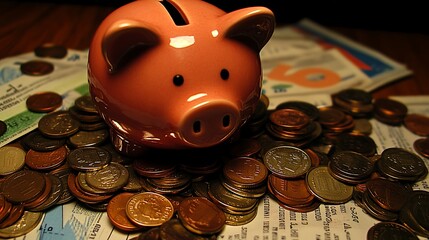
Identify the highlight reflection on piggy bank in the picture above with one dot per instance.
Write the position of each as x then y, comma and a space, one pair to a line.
177, 74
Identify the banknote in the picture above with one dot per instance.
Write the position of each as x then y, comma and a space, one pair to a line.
68, 79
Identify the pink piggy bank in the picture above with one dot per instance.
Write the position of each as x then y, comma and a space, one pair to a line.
177, 73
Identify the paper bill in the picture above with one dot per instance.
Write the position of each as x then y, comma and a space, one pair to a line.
319, 72
69, 75
296, 41
378, 67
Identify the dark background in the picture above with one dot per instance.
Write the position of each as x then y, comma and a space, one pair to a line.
402, 16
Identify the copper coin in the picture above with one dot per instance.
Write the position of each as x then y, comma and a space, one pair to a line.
201, 216
330, 116
244, 147
291, 192
42, 197
149, 209
46, 160
355, 96
86, 104
309, 109
117, 213
44, 102
5, 208
3, 128
389, 230
37, 68
15, 214
38, 142
51, 50
58, 124
54, 195
421, 146
375, 210
245, 172
174, 230
23, 186
389, 195
390, 108
289, 118
415, 213
417, 124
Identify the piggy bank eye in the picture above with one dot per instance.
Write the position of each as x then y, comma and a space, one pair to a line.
178, 80
224, 74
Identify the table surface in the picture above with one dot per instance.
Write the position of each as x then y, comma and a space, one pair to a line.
26, 25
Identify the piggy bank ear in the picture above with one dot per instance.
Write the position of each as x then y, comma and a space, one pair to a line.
252, 26
125, 39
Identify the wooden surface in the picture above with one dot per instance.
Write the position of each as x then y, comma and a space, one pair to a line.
26, 25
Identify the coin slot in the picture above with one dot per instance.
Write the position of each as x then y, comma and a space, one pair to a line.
196, 127
175, 14
226, 120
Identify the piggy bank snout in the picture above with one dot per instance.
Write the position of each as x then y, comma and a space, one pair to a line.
209, 123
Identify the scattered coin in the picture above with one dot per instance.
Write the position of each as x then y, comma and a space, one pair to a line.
44, 102
37, 68
417, 124
51, 50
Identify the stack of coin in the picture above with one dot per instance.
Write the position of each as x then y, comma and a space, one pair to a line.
350, 167
244, 176
335, 121
383, 199
417, 124
255, 125
238, 209
292, 194
355, 102
293, 126
362, 144
309, 109
415, 212
390, 111
401, 165
390, 230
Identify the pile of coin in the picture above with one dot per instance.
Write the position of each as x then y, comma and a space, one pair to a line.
301, 155
355, 102
390, 111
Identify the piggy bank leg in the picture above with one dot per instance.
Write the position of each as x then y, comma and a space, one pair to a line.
124, 146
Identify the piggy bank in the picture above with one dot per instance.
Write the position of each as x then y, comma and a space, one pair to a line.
177, 74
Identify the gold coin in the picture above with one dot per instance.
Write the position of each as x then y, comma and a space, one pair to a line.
23, 226
149, 209
12, 159
326, 188
110, 178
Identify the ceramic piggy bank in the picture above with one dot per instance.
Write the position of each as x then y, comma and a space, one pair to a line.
177, 73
